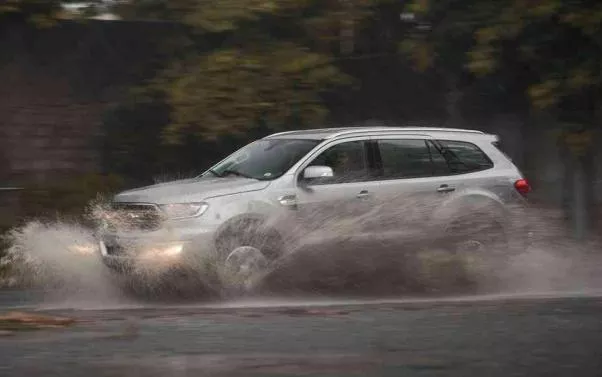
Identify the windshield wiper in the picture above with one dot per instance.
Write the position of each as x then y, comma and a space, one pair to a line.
237, 173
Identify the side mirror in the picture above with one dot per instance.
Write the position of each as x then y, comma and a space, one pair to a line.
313, 172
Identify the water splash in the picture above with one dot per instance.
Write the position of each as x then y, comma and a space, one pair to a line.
63, 260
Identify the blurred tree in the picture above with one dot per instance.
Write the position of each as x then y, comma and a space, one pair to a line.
550, 48
275, 60
558, 43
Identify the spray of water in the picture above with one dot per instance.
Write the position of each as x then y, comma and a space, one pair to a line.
60, 260
63, 260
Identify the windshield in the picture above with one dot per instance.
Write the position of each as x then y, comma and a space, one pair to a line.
264, 159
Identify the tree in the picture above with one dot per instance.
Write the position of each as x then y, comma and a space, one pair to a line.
275, 60
551, 48
540, 36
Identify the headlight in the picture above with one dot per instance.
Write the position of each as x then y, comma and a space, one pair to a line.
82, 249
183, 210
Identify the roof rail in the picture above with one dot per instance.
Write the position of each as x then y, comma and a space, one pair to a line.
280, 133
404, 129
305, 130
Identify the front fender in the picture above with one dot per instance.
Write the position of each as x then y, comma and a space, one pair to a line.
231, 212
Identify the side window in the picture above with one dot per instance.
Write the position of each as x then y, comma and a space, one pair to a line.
440, 167
405, 159
464, 157
347, 160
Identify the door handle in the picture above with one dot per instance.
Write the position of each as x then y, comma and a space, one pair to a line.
363, 194
289, 201
446, 188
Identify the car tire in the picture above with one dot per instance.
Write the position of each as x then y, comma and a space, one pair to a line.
246, 251
478, 236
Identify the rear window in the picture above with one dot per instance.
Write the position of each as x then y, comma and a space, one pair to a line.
464, 157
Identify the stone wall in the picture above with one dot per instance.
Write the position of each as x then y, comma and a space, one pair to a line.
54, 87
45, 132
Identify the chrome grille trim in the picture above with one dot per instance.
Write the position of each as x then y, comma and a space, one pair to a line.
136, 216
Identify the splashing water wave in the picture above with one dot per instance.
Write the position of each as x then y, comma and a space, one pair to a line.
62, 259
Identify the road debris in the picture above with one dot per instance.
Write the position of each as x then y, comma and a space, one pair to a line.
14, 321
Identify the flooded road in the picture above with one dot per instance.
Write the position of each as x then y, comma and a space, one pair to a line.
529, 335
521, 333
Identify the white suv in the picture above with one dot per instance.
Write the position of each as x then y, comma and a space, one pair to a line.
354, 185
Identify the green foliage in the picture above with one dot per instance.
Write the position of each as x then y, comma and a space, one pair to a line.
274, 63
553, 45
231, 90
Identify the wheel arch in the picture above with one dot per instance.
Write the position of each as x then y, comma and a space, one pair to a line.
228, 228
469, 205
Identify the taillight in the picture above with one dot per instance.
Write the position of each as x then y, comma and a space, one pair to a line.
522, 186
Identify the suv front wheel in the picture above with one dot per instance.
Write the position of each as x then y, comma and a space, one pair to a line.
246, 249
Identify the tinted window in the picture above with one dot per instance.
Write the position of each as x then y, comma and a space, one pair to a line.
405, 159
463, 157
440, 166
347, 160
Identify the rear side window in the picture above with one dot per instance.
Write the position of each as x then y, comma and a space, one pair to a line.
464, 157
407, 158
440, 166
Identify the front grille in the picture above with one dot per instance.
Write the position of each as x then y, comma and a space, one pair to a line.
135, 216
114, 250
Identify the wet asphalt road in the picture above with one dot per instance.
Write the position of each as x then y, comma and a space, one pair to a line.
524, 336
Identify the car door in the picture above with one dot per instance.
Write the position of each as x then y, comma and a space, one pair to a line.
412, 178
331, 209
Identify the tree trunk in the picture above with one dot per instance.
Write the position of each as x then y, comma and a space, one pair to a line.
347, 29
579, 181
452, 106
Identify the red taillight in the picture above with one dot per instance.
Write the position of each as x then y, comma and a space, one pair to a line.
522, 186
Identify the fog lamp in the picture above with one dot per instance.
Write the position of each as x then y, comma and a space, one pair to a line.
168, 251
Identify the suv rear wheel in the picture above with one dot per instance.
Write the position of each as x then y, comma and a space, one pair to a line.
483, 238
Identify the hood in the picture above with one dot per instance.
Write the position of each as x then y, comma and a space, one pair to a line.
190, 190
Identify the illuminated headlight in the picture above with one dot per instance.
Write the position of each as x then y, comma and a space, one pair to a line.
82, 249
183, 210
170, 251
160, 253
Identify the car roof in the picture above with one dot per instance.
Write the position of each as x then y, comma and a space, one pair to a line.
332, 133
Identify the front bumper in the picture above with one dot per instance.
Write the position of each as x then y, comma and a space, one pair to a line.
125, 259
162, 249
